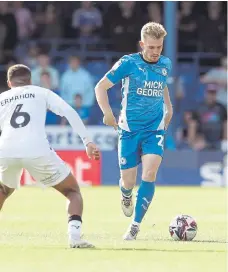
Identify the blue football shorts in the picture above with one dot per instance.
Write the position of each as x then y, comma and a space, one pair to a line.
132, 145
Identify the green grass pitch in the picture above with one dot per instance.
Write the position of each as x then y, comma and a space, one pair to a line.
33, 236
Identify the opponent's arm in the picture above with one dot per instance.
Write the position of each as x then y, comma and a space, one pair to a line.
57, 105
169, 107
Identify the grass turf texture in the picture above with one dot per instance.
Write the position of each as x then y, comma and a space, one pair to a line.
33, 236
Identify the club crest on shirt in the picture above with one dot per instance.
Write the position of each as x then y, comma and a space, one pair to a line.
164, 72
123, 161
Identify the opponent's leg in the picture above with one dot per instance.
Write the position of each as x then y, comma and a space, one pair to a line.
10, 176
127, 183
51, 171
70, 189
5, 192
150, 165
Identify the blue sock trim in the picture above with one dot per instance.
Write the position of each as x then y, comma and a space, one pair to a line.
126, 192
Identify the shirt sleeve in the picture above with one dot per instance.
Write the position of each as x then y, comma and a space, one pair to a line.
120, 70
57, 105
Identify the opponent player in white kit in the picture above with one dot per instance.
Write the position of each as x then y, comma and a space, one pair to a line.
24, 145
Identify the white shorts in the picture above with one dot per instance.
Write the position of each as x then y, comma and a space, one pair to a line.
48, 170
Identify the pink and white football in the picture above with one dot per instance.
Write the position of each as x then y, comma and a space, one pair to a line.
183, 228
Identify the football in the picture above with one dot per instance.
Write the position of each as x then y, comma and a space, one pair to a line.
183, 228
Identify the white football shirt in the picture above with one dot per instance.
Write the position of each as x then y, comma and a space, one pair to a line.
22, 121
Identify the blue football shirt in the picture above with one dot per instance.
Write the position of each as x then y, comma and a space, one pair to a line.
143, 84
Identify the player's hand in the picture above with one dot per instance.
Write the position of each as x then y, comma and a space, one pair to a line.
92, 151
110, 120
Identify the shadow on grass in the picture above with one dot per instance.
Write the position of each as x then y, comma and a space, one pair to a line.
193, 241
209, 241
157, 250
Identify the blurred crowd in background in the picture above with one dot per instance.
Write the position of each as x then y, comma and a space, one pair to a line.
70, 45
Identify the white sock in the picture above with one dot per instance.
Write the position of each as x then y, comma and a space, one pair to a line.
135, 223
74, 230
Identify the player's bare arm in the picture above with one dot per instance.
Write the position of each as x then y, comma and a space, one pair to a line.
102, 99
169, 107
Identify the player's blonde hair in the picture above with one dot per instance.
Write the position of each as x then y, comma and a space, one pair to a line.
153, 30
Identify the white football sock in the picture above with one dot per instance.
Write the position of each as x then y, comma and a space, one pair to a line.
74, 229
135, 223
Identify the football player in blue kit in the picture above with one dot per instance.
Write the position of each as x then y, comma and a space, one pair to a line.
146, 111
